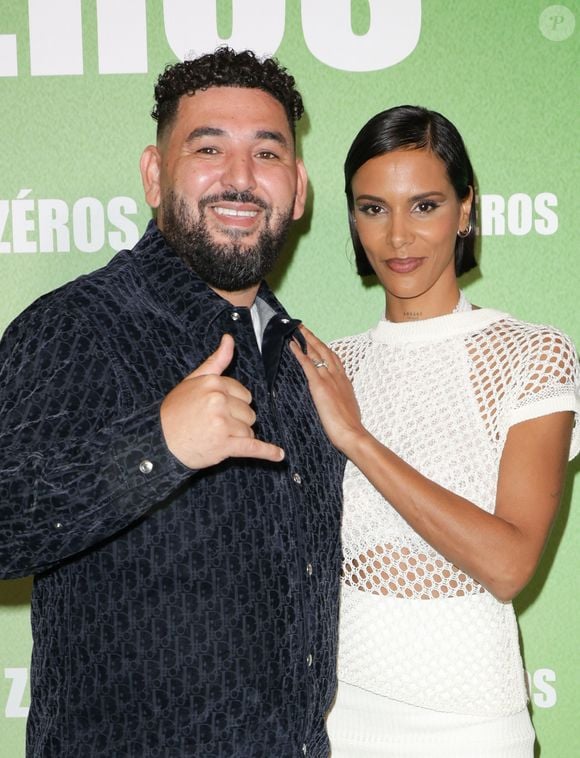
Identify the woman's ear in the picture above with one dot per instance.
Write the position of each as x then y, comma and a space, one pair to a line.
466, 204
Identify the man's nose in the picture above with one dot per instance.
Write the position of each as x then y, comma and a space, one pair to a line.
239, 173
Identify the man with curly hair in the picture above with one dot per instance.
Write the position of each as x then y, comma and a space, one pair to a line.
163, 471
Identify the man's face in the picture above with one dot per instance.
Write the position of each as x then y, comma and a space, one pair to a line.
227, 184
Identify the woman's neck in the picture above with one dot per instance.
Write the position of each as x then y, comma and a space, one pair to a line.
428, 305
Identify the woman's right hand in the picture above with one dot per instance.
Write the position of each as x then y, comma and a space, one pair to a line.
331, 391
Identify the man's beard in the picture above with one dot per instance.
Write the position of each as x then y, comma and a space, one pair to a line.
229, 266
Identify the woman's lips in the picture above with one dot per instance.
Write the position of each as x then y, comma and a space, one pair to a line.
404, 265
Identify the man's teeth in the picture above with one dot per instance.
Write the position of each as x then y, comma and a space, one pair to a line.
234, 212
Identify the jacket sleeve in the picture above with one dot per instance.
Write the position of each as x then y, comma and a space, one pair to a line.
77, 462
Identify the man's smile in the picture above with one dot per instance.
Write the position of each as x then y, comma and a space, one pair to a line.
234, 212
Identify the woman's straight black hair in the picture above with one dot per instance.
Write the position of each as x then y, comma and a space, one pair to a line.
411, 127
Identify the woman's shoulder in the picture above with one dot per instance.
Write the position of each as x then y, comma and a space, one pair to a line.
542, 366
535, 340
351, 341
352, 351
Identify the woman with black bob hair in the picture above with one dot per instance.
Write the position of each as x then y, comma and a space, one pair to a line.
457, 422
411, 127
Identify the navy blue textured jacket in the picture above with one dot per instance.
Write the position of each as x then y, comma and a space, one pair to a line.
175, 613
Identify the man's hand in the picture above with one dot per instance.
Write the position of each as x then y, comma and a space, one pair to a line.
207, 417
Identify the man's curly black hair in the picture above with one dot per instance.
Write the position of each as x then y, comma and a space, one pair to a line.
224, 68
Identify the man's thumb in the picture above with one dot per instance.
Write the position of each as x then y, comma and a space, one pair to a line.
219, 360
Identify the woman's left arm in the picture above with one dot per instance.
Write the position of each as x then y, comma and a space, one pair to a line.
499, 550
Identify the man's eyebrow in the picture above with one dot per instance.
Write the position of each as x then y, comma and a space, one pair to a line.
205, 131
275, 136
214, 131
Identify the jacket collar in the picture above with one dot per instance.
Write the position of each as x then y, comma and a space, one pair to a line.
180, 289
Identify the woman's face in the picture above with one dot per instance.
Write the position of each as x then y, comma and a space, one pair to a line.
407, 216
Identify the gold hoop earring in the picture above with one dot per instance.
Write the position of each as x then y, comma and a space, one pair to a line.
465, 232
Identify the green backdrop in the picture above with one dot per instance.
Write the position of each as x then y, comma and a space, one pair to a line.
76, 82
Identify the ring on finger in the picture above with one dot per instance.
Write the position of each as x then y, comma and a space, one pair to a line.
320, 364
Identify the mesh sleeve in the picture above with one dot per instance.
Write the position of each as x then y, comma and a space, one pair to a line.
550, 381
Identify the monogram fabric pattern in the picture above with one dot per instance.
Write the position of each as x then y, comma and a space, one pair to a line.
175, 612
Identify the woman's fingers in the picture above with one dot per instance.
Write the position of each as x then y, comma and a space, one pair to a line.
304, 360
319, 351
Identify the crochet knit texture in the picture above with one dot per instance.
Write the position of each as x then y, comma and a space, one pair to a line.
442, 394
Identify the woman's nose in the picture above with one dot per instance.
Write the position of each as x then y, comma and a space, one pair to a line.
400, 231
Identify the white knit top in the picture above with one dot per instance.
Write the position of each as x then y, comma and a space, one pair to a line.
442, 394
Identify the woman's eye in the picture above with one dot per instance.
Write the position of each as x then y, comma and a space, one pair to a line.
370, 210
426, 206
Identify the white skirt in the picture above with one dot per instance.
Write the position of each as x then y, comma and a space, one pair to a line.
364, 725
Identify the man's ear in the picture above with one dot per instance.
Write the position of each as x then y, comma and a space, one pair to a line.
150, 175
301, 189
